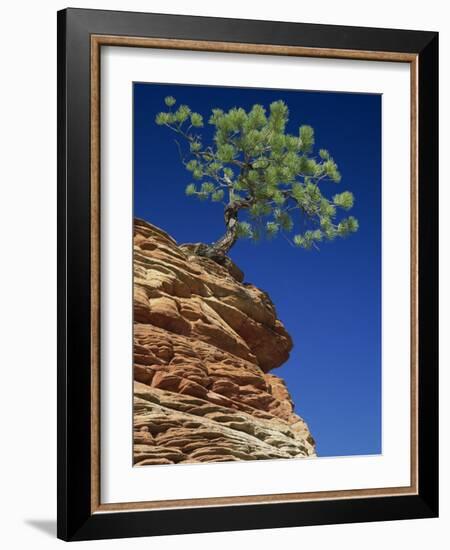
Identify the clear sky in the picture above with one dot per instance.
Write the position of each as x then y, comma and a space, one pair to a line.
329, 300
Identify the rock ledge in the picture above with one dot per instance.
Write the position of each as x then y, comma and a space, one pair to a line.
204, 346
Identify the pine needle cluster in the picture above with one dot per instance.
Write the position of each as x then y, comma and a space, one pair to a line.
269, 181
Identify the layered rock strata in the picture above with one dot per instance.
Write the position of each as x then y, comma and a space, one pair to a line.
205, 344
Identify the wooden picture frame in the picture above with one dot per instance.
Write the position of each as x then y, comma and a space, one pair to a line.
81, 35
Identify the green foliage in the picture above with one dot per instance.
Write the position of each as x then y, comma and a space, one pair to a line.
344, 200
270, 179
196, 120
191, 189
306, 134
347, 226
272, 229
207, 188
225, 152
163, 118
170, 101
218, 195
244, 230
195, 146
324, 154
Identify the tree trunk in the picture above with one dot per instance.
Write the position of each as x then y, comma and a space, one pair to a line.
218, 250
224, 244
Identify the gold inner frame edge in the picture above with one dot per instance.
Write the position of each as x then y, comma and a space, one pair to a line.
97, 41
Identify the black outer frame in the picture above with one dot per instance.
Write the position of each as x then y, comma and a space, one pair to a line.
75, 521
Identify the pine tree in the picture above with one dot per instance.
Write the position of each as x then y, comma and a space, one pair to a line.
268, 180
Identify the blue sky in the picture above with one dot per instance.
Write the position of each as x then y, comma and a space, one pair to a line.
329, 300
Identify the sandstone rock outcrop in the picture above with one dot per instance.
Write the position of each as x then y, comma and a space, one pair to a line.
204, 345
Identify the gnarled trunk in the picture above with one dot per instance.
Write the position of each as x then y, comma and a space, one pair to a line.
219, 249
222, 246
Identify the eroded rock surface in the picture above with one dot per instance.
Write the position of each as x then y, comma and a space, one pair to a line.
204, 346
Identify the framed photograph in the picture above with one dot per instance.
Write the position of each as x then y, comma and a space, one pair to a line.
247, 274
